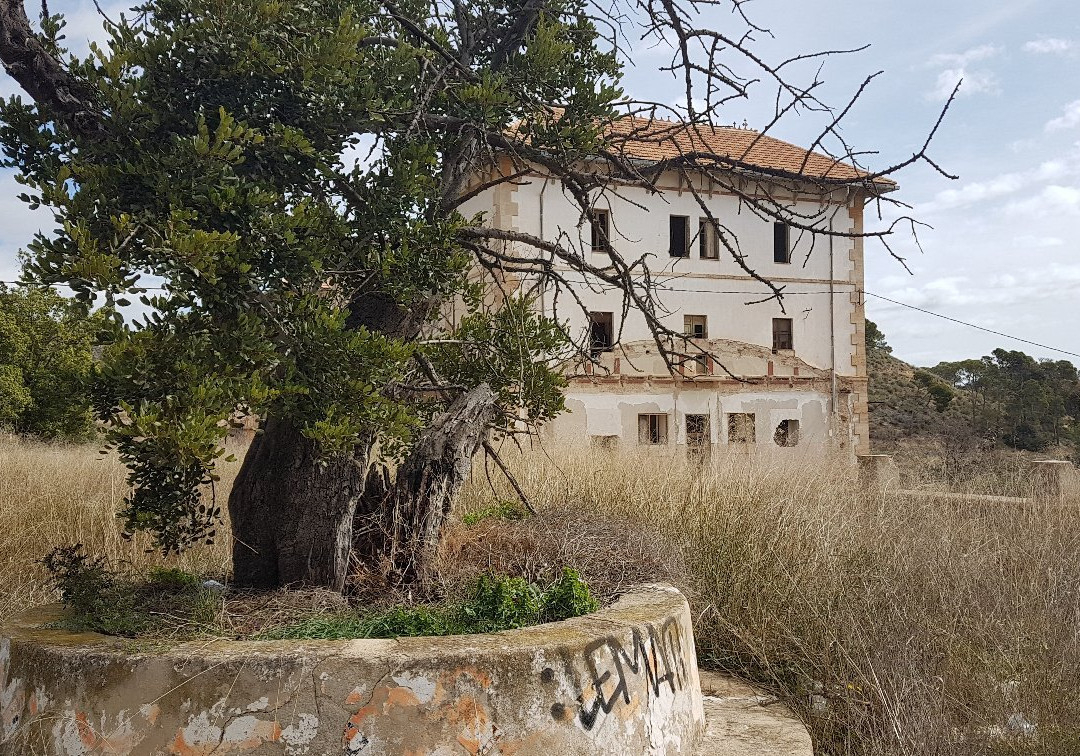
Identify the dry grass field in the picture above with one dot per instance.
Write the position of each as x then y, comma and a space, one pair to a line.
891, 626
58, 495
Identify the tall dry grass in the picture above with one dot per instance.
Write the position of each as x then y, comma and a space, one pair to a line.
892, 626
55, 494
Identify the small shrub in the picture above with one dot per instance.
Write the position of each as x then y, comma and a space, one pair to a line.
101, 600
503, 510
502, 603
569, 596
90, 591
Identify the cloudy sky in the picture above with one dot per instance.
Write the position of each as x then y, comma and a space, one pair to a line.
1002, 252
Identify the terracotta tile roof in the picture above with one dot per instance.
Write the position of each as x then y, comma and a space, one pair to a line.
657, 139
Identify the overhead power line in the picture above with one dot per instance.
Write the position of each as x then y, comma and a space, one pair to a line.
786, 294
971, 325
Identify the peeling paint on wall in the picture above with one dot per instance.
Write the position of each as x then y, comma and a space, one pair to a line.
623, 680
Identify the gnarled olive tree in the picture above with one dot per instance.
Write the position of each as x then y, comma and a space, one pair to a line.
280, 184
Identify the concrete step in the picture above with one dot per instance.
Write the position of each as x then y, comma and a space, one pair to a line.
742, 721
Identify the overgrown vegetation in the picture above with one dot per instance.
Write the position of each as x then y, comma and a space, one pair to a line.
494, 603
500, 510
164, 601
60, 494
892, 626
169, 602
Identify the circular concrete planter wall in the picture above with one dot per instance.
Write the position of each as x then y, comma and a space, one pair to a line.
621, 681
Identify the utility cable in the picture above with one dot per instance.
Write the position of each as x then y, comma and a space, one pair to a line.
786, 294
970, 325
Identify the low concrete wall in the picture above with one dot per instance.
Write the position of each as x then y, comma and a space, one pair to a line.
621, 681
1051, 481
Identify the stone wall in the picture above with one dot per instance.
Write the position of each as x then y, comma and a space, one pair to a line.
621, 681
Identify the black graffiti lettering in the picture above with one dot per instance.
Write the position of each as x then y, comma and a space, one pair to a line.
600, 701
671, 632
655, 658
589, 716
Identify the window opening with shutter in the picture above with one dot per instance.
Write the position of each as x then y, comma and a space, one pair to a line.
652, 429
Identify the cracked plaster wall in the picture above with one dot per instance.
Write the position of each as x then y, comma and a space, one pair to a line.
827, 325
622, 680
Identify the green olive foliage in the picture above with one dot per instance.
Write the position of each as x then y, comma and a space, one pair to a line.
218, 193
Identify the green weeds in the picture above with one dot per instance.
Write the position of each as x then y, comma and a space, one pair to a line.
494, 603
501, 510
101, 600
172, 603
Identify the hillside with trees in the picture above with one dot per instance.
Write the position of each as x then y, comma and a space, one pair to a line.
1006, 399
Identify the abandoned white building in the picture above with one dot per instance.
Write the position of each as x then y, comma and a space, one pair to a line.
776, 377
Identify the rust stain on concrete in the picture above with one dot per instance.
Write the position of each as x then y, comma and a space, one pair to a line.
621, 681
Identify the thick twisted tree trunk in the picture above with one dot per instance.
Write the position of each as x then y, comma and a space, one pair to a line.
293, 515
399, 533
292, 511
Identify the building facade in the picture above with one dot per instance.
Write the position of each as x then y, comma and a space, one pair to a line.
753, 374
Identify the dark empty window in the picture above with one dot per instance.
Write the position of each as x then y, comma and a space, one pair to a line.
695, 326
781, 243
781, 334
601, 230
787, 433
697, 436
740, 427
679, 236
707, 240
601, 332
652, 429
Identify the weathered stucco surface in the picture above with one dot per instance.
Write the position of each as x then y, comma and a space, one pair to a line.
822, 281
621, 681
743, 721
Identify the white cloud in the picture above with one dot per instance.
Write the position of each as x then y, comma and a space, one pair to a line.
85, 24
975, 192
651, 48
1049, 45
960, 60
679, 106
1067, 120
19, 224
1053, 201
1038, 242
957, 67
364, 154
971, 82
971, 299
1003, 185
